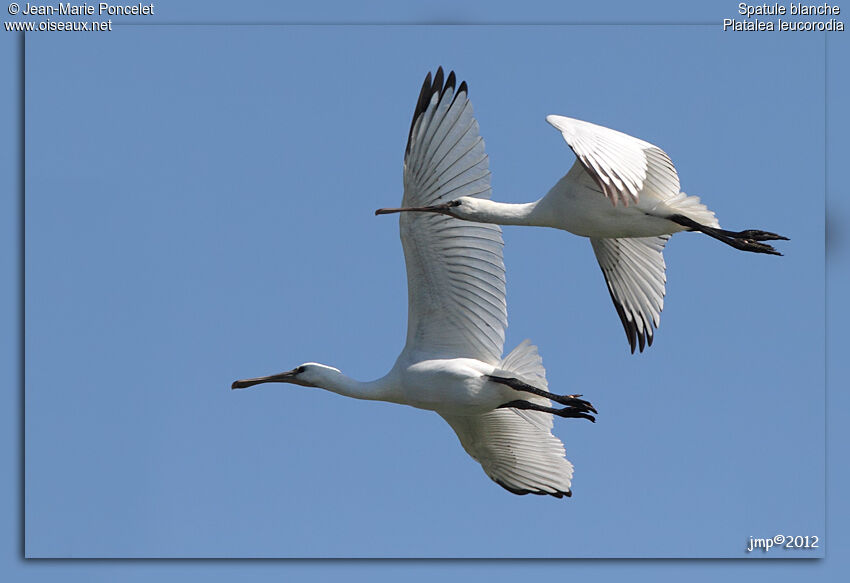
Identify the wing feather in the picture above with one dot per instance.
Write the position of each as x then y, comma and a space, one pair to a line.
635, 273
520, 456
455, 271
625, 167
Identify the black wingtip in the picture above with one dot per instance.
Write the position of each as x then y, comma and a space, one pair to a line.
429, 89
523, 492
639, 339
628, 325
438, 81
450, 82
421, 105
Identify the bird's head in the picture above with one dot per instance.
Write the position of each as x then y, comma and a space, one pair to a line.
465, 207
309, 374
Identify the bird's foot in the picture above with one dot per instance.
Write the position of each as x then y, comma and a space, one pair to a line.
752, 245
574, 412
756, 235
574, 402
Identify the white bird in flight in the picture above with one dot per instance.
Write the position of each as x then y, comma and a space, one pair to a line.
623, 194
452, 361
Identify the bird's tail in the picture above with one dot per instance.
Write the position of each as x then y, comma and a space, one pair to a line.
691, 207
525, 364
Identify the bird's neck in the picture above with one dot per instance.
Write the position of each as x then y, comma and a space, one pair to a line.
502, 213
336, 382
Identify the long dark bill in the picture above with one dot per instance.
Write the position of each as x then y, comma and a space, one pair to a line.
437, 208
284, 377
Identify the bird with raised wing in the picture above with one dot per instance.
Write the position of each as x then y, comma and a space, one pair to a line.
500, 408
623, 194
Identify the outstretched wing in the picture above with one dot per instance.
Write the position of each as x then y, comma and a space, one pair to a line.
625, 167
518, 454
635, 273
516, 448
455, 272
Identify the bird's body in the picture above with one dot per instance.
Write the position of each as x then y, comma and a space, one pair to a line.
452, 386
452, 361
574, 204
623, 194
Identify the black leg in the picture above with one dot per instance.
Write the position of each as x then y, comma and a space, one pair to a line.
518, 385
565, 412
575, 407
747, 240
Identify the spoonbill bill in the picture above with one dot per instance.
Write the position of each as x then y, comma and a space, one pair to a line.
623, 194
500, 408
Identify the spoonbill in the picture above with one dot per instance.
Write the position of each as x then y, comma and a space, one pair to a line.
500, 408
612, 168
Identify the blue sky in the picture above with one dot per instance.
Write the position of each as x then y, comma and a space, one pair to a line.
199, 209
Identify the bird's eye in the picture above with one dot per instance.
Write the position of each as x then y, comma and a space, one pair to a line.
455, 203
299, 370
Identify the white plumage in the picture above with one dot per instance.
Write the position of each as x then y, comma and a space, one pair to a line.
451, 362
622, 193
